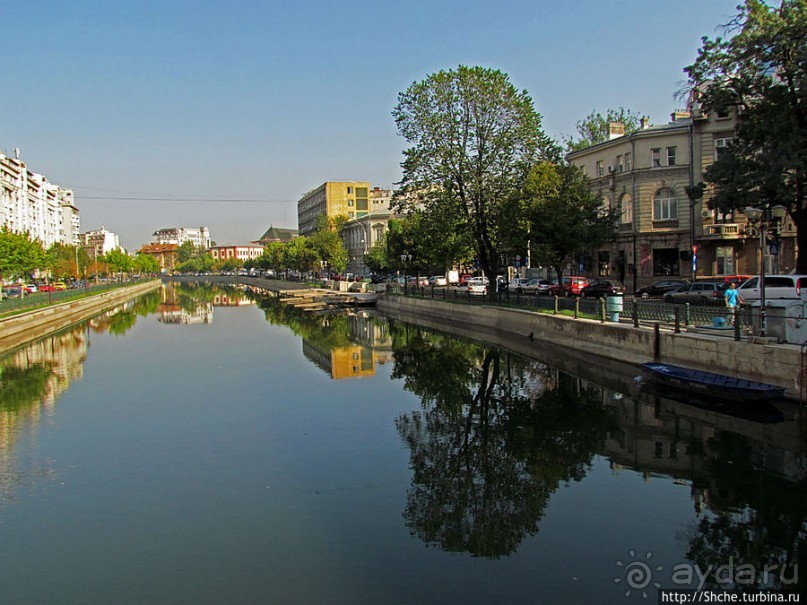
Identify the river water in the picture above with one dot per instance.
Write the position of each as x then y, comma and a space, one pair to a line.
196, 447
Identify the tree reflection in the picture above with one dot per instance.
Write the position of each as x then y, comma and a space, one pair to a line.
756, 519
21, 387
326, 332
496, 437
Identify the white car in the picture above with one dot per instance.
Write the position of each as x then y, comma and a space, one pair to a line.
438, 280
475, 285
517, 284
776, 287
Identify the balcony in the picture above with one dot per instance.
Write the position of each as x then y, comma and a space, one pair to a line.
723, 231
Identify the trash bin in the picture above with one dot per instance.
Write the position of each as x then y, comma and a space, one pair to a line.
614, 306
786, 320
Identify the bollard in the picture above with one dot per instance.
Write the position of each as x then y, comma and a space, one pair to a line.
555, 310
602, 310
576, 307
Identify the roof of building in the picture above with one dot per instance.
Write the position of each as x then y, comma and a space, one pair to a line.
157, 248
277, 234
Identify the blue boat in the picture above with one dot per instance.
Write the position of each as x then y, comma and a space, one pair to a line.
714, 385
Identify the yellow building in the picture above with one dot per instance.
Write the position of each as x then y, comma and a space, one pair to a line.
334, 198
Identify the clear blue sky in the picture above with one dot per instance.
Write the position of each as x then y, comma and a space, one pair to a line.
263, 100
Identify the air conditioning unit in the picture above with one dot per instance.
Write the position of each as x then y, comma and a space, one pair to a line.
706, 213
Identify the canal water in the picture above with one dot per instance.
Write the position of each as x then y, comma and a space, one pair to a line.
199, 445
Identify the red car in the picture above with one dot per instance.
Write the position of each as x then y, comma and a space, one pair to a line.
569, 286
47, 288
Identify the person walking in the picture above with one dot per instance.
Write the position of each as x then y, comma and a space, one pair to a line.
732, 300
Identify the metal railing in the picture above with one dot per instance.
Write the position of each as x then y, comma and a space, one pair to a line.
716, 318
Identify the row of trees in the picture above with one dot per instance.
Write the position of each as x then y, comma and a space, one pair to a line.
482, 183
21, 256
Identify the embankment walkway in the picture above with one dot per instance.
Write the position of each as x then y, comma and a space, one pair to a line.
22, 328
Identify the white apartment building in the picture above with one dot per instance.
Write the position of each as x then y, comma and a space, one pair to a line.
30, 203
100, 241
199, 236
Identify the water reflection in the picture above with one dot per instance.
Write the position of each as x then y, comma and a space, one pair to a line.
497, 434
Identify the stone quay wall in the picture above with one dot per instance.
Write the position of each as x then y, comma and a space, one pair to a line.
20, 329
764, 362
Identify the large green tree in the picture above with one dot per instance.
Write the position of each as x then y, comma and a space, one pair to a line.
118, 261
759, 72
473, 139
565, 218
327, 242
68, 260
593, 129
19, 255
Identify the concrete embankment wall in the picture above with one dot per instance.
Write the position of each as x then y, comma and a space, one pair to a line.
771, 363
26, 327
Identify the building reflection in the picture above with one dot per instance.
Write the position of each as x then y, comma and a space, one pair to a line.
370, 345
31, 380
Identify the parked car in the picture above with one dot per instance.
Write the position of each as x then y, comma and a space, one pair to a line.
421, 282
474, 285
46, 288
58, 286
660, 288
603, 287
464, 278
699, 293
737, 279
537, 286
438, 280
569, 286
776, 287
12, 292
517, 284
31, 288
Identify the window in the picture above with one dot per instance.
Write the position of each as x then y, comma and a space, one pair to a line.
627, 162
655, 157
671, 156
626, 209
349, 190
665, 261
721, 145
619, 166
600, 168
724, 258
350, 202
665, 205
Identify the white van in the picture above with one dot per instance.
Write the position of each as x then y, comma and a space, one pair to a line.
776, 287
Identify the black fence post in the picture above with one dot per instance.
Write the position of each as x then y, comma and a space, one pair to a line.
677, 319
687, 314
602, 310
555, 310
576, 307
737, 323
635, 314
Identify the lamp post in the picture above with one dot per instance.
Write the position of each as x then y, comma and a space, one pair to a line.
406, 259
763, 220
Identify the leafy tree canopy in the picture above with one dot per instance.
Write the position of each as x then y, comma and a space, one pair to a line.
593, 129
759, 74
473, 139
564, 216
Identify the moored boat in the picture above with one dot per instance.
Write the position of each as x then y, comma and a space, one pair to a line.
709, 383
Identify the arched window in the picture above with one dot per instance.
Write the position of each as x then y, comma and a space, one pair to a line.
665, 205
626, 209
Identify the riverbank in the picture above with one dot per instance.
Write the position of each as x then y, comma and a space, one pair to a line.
525, 331
25, 327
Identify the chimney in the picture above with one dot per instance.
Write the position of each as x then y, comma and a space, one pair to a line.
615, 130
679, 114
644, 121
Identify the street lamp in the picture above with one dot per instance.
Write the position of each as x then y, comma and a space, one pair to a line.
406, 259
763, 220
